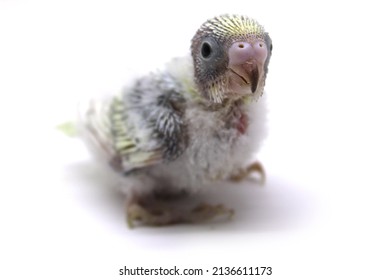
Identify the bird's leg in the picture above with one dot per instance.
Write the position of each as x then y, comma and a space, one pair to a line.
156, 212
254, 167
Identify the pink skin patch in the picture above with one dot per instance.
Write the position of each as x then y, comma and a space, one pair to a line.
242, 124
238, 119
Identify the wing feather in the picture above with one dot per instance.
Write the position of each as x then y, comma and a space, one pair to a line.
140, 128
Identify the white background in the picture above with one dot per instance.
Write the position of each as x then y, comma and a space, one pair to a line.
324, 212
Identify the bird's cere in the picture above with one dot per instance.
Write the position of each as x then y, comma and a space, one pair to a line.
240, 52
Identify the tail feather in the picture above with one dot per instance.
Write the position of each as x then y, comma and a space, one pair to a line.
69, 128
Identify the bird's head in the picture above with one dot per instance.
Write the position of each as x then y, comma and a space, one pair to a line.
231, 55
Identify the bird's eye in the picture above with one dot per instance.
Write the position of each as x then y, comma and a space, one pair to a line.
206, 50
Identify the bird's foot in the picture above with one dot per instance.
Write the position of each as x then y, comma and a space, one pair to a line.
137, 212
256, 167
162, 215
204, 212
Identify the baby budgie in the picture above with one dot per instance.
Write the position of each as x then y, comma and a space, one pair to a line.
197, 121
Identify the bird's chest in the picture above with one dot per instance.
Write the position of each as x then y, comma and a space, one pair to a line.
214, 140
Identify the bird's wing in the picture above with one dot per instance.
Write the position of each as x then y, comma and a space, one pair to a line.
140, 128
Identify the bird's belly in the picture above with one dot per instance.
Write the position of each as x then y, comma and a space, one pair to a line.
205, 161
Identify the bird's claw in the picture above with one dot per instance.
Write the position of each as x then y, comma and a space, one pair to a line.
254, 167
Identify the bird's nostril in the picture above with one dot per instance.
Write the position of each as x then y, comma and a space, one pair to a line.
241, 46
260, 45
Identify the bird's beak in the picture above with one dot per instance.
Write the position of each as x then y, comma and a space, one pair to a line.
245, 76
251, 71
